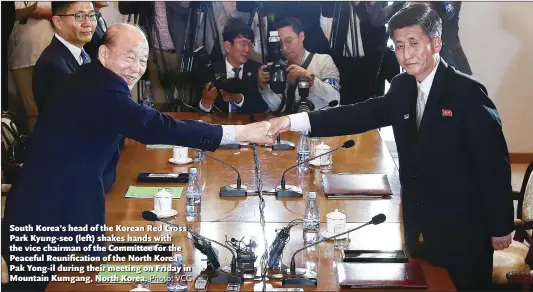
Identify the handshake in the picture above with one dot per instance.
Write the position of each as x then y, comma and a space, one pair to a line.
265, 132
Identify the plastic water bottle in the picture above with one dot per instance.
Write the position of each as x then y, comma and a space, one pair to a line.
147, 95
193, 195
302, 152
176, 279
311, 224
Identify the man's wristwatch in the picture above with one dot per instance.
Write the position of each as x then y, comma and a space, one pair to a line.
311, 80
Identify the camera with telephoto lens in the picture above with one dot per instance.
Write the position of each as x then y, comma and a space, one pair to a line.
278, 66
219, 80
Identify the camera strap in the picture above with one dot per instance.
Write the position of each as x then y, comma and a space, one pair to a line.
293, 85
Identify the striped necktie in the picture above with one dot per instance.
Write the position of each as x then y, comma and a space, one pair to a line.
233, 106
85, 58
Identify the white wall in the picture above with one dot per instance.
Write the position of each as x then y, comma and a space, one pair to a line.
497, 38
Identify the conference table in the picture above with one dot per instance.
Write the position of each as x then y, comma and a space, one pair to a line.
231, 217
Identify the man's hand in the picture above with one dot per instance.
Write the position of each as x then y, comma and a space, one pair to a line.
499, 243
263, 77
209, 95
257, 133
231, 97
295, 72
279, 125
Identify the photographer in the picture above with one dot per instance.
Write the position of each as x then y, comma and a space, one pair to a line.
238, 43
319, 69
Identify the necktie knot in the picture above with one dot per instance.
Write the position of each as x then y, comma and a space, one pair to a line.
237, 71
85, 58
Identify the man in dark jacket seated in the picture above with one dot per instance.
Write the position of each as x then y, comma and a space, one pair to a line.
238, 43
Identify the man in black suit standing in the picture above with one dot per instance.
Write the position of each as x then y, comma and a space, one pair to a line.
238, 43
454, 162
92, 47
74, 24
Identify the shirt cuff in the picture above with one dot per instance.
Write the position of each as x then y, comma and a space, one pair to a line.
300, 122
205, 109
240, 103
228, 134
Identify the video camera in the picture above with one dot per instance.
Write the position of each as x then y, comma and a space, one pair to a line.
277, 67
218, 79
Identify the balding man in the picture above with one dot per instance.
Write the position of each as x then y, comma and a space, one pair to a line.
61, 183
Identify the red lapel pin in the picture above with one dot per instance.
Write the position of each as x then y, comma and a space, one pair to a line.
406, 116
447, 113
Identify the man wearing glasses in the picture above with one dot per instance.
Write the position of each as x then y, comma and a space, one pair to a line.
74, 25
238, 43
318, 69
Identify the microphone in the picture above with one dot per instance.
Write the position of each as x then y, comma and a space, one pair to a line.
225, 146
236, 190
218, 275
332, 103
303, 277
294, 191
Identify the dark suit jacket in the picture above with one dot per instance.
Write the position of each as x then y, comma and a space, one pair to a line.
73, 140
454, 171
53, 66
92, 47
50, 72
253, 101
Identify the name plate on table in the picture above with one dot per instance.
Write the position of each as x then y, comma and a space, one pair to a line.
355, 185
374, 256
381, 276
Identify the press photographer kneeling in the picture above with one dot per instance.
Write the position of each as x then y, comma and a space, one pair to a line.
318, 70
240, 96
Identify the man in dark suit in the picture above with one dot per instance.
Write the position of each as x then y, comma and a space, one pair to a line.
64, 56
238, 43
74, 24
92, 47
61, 182
454, 162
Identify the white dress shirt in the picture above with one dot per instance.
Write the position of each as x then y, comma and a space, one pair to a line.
229, 74
300, 121
76, 52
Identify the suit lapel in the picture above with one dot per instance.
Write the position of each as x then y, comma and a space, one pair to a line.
66, 54
432, 105
246, 73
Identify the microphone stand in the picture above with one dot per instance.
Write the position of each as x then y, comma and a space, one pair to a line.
221, 274
304, 277
236, 190
290, 191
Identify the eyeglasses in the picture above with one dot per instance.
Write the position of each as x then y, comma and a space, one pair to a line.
246, 44
288, 42
80, 16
